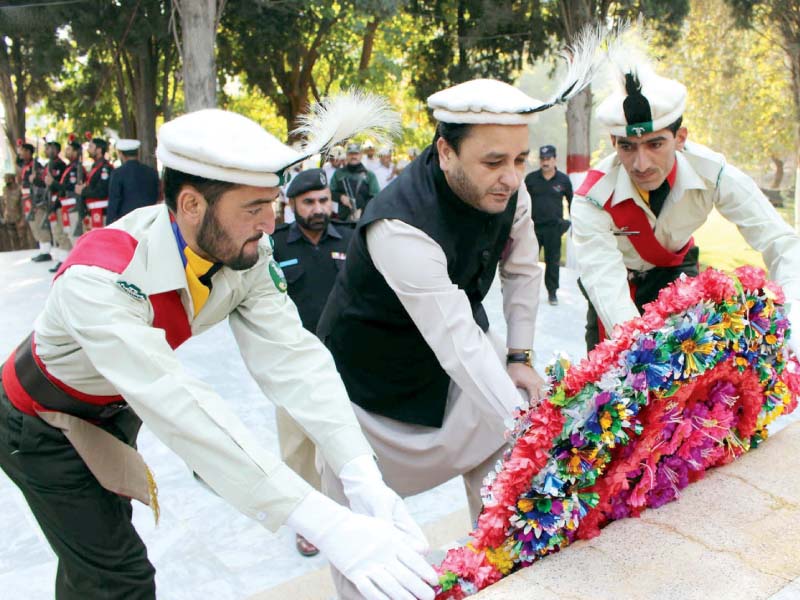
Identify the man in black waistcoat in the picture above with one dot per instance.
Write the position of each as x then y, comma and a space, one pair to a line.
431, 383
311, 251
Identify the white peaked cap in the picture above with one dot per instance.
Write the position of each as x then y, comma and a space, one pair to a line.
224, 146
128, 145
484, 101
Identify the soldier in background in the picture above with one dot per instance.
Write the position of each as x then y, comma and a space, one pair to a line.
353, 186
53, 171
94, 193
73, 175
132, 185
35, 201
311, 251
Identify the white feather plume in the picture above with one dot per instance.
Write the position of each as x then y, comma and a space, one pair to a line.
584, 59
337, 118
627, 52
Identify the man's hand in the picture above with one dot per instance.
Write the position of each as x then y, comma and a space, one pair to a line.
48, 179
79, 188
345, 199
526, 378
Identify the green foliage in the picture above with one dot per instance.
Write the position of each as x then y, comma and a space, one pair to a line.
717, 63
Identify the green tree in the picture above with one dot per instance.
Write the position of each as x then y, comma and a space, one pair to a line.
124, 55
31, 53
717, 63
293, 52
779, 22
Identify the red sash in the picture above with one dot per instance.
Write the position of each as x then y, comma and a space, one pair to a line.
111, 249
27, 203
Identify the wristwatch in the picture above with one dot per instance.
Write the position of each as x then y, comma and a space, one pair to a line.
524, 357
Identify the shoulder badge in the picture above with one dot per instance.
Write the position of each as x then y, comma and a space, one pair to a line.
132, 290
276, 274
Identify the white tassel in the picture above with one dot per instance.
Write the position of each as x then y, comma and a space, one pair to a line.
340, 117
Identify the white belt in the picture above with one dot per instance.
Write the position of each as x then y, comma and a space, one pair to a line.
67, 202
97, 204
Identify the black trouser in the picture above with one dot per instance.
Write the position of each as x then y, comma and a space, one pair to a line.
549, 236
648, 285
100, 555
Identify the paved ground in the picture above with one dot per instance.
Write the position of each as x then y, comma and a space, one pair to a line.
202, 547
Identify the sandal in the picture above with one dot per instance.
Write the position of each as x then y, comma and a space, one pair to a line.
305, 547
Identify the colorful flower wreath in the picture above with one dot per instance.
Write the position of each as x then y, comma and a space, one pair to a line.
691, 384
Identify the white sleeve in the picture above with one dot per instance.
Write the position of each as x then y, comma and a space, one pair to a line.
521, 276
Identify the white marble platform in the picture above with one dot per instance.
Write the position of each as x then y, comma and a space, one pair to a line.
202, 547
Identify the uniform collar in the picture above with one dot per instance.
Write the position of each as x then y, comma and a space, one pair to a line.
157, 265
686, 178
295, 233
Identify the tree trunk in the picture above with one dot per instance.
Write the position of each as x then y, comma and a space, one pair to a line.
128, 127
13, 98
366, 47
146, 73
578, 115
198, 37
778, 178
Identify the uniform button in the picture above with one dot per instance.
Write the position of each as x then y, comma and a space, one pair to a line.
262, 516
485, 255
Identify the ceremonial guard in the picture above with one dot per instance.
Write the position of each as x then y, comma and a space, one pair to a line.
548, 187
431, 382
94, 191
353, 186
311, 251
73, 175
53, 172
101, 358
132, 185
35, 201
634, 215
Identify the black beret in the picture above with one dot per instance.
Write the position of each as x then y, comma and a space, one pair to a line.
307, 181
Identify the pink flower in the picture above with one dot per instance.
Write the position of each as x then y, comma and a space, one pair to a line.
752, 278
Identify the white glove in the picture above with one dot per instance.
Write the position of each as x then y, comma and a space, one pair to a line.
794, 322
370, 552
368, 495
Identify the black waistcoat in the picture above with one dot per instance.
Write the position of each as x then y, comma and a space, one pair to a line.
384, 361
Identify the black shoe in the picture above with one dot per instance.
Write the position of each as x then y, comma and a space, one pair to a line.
552, 299
55, 267
42, 257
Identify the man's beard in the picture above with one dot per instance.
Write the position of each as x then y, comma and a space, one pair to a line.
216, 243
318, 222
463, 187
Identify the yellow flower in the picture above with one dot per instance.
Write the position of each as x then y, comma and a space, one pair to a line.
771, 338
525, 505
500, 559
605, 420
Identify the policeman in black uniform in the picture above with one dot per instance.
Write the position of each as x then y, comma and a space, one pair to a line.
548, 187
310, 251
132, 185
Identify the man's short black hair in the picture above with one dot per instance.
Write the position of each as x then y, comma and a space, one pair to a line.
56, 144
211, 189
28, 147
675, 125
453, 133
129, 153
101, 143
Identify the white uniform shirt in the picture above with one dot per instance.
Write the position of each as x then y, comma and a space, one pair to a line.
384, 174
703, 181
415, 267
99, 339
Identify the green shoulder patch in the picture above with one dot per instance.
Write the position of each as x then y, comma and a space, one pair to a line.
276, 274
132, 290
